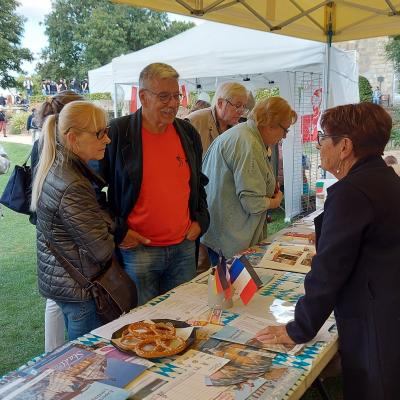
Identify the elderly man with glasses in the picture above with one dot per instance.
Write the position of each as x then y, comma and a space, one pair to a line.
155, 186
228, 106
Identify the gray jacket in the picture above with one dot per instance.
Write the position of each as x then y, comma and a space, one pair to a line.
69, 216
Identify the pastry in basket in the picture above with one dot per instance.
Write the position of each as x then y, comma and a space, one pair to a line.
160, 347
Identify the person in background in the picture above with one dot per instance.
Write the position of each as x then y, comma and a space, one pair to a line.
85, 86
155, 187
376, 95
3, 121
228, 105
242, 185
54, 325
68, 215
392, 162
3, 100
200, 104
28, 86
355, 271
31, 126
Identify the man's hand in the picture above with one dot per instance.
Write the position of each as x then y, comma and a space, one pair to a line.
274, 335
193, 231
132, 240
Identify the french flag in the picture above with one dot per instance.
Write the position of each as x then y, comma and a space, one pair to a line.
244, 278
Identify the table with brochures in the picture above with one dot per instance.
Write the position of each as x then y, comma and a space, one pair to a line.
223, 360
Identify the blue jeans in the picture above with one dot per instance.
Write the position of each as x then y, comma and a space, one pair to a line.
80, 317
155, 270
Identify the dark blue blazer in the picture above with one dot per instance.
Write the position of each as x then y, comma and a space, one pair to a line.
122, 169
356, 273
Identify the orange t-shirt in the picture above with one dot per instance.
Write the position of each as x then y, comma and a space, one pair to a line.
161, 212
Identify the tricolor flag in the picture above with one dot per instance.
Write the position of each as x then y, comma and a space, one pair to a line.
222, 278
244, 278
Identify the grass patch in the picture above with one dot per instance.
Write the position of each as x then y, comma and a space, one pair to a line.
21, 306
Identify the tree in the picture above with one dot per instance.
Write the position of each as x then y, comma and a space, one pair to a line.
11, 53
87, 35
392, 49
365, 89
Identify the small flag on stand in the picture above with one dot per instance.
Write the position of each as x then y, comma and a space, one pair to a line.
222, 278
244, 278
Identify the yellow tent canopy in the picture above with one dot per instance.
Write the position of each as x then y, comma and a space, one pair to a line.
324, 21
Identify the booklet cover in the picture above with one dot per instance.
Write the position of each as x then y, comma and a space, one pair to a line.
71, 372
284, 257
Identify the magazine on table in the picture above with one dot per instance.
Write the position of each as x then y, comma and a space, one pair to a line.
288, 257
244, 330
73, 371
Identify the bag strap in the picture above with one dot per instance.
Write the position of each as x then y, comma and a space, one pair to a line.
73, 271
27, 159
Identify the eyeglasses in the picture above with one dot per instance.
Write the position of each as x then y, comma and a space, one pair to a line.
238, 107
286, 130
102, 132
99, 134
166, 97
321, 136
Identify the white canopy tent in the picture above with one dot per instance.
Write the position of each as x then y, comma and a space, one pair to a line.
211, 53
101, 79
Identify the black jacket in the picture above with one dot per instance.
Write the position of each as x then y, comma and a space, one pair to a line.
356, 273
122, 169
69, 216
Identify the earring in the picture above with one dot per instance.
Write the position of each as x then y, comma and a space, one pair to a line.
338, 168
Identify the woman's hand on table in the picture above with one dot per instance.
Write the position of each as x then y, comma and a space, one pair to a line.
274, 335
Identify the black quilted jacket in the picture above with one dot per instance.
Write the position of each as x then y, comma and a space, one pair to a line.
69, 216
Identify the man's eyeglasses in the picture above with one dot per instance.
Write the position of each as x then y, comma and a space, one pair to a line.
286, 130
238, 107
166, 97
321, 136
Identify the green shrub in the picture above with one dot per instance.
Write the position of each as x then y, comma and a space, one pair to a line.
365, 89
18, 123
98, 96
38, 98
266, 92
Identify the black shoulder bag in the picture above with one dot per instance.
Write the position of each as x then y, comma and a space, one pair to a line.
113, 290
18, 191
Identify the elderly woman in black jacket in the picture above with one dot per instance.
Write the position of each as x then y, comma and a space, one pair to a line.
68, 215
356, 271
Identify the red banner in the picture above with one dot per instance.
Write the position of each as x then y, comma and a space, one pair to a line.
133, 99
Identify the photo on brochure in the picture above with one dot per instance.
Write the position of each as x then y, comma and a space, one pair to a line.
288, 257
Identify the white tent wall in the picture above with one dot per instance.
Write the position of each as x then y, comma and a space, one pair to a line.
211, 53
101, 79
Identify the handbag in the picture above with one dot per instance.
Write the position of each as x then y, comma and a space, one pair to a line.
18, 191
113, 291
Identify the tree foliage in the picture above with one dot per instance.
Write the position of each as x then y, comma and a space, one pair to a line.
11, 53
365, 89
392, 49
88, 34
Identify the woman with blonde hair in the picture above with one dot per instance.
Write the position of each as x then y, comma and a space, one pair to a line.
242, 184
68, 215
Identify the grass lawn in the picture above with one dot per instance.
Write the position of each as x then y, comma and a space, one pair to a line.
21, 306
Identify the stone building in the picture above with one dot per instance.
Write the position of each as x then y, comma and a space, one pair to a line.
374, 65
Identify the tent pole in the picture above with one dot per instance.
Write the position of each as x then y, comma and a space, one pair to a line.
115, 101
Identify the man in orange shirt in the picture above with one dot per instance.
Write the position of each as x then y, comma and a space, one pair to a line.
155, 186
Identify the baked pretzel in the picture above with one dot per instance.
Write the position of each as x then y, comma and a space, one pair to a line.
128, 342
160, 347
144, 330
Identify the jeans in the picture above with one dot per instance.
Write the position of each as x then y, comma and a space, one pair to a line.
80, 317
54, 327
155, 270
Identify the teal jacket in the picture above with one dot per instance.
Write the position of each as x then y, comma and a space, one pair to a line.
241, 181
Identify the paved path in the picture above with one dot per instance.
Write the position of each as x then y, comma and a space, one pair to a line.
23, 138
